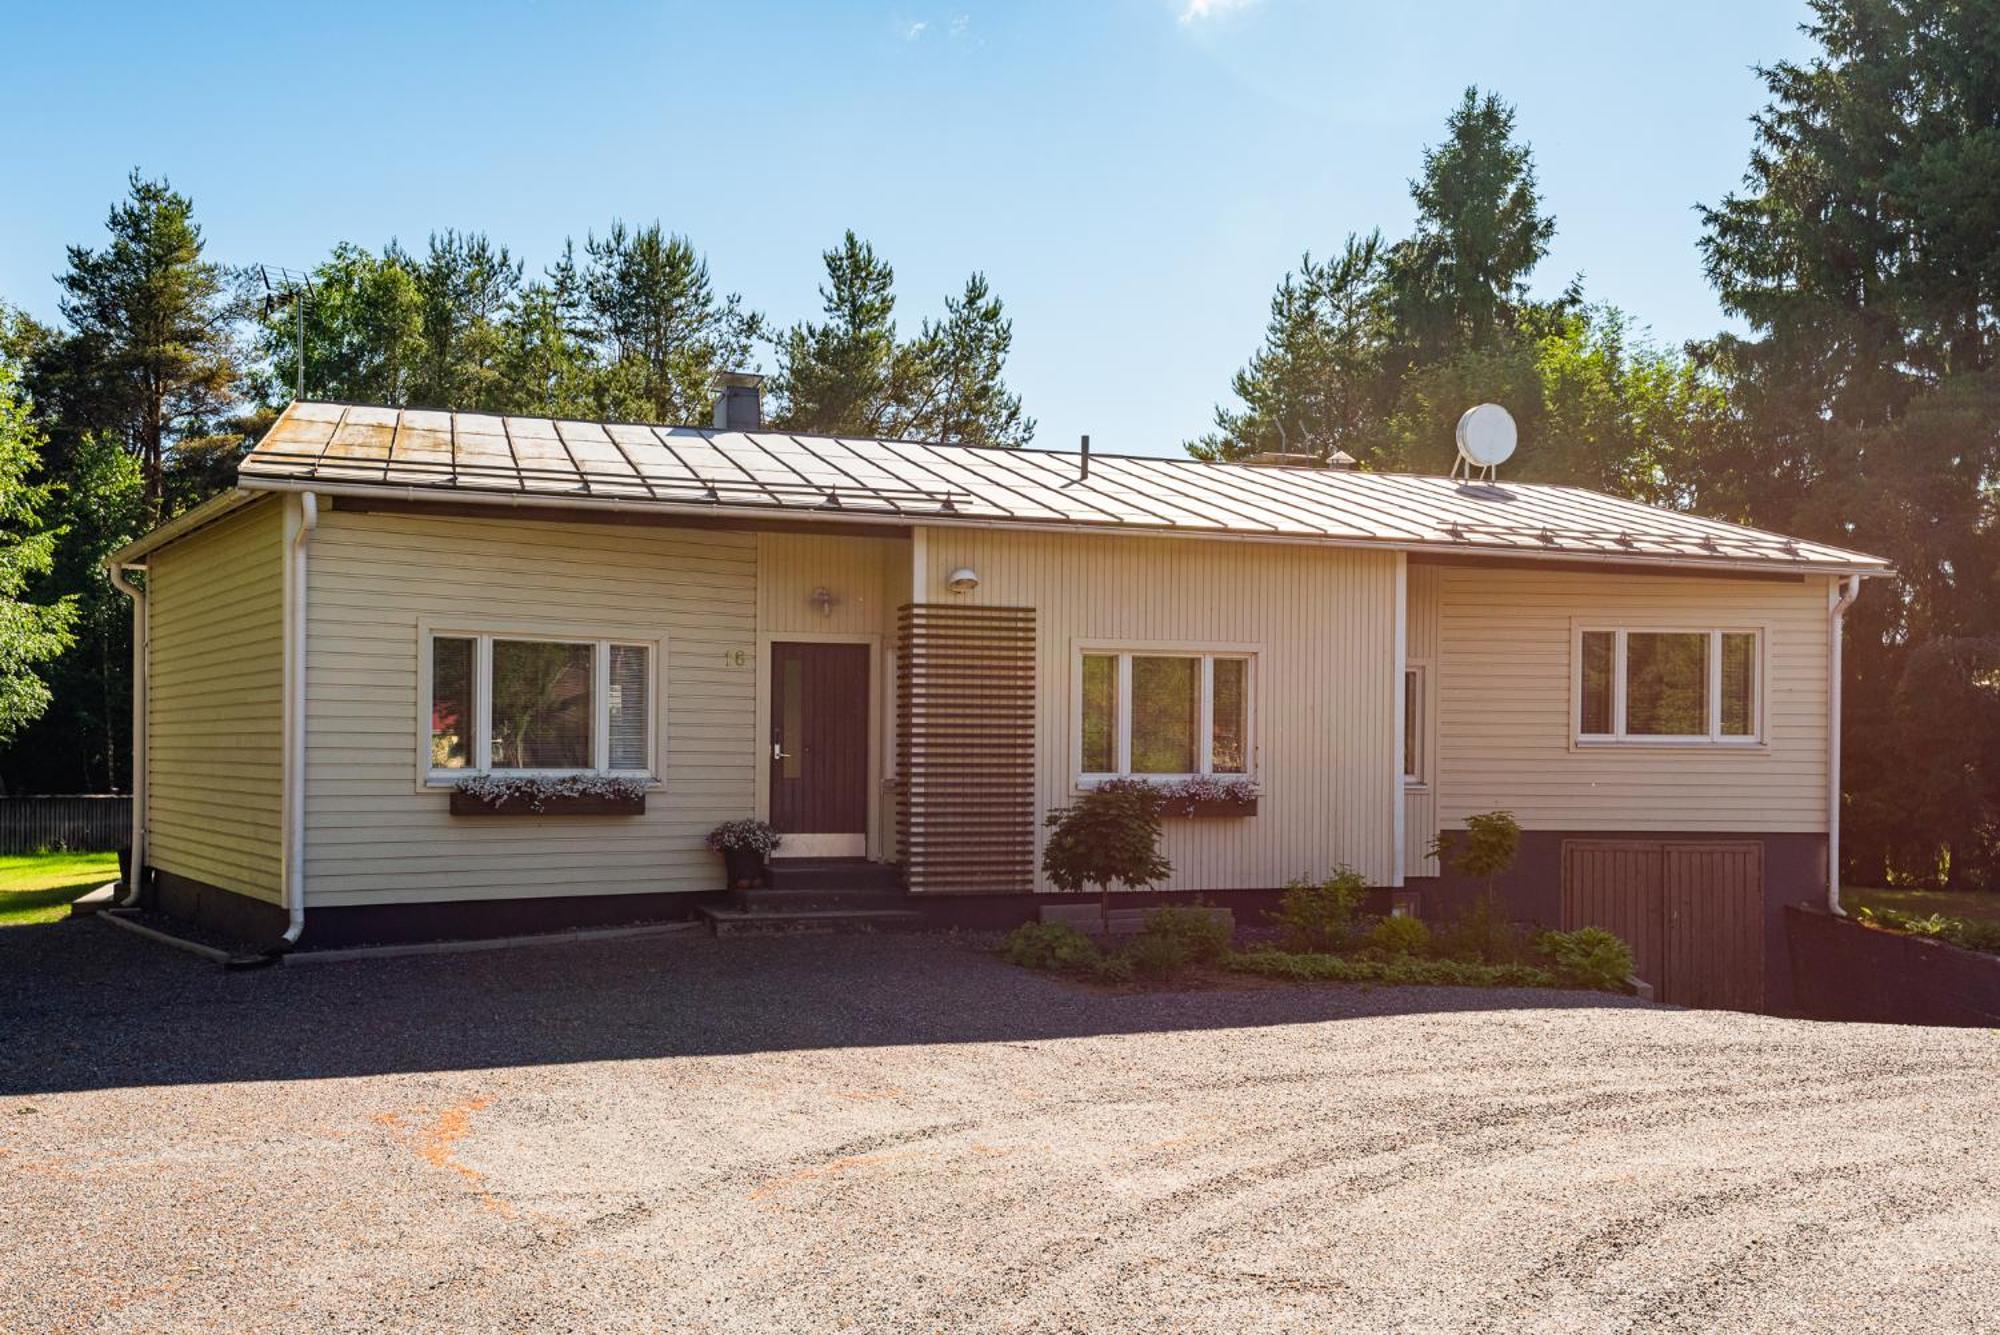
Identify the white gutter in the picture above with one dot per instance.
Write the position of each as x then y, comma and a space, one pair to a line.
141, 621
668, 510
1840, 597
295, 723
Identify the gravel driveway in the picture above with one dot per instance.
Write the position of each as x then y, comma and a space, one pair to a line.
900, 1134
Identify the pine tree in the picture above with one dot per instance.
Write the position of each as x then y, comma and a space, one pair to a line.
840, 377
661, 331
466, 289
151, 354
961, 396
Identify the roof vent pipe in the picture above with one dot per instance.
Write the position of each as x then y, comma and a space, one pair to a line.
739, 401
1083, 466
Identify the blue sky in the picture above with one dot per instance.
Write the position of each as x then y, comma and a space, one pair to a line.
1134, 176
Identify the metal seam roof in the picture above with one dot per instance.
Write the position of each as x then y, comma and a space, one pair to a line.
421, 451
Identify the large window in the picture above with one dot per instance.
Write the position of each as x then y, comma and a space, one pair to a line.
524, 704
1669, 686
1163, 713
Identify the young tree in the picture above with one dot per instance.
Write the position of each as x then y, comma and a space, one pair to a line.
1109, 836
151, 355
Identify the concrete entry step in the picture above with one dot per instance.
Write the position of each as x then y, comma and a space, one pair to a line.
729, 920
844, 874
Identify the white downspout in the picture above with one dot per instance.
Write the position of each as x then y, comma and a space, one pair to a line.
295, 726
141, 622
1842, 596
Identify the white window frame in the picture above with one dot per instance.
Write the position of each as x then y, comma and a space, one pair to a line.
1126, 650
1714, 737
1417, 708
482, 666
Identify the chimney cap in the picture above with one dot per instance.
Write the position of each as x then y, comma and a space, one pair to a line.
735, 380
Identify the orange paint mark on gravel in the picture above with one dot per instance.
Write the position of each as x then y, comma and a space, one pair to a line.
436, 1145
832, 1168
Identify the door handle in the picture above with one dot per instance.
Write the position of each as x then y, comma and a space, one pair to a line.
778, 751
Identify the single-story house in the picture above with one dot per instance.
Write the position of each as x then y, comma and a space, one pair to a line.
903, 654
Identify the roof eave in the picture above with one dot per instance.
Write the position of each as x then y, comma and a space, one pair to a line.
210, 510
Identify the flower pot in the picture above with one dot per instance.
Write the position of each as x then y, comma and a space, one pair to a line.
743, 867
557, 804
1210, 808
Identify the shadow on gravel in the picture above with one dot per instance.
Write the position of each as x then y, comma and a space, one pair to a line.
83, 1006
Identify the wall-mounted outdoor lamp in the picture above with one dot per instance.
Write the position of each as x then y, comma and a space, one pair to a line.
963, 580
823, 599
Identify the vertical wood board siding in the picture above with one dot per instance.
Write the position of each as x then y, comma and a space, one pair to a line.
1324, 693
1504, 705
215, 703
376, 837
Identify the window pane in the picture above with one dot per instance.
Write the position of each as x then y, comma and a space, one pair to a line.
1100, 713
1230, 717
1597, 646
1413, 734
1739, 685
1166, 711
452, 707
541, 705
629, 682
1666, 684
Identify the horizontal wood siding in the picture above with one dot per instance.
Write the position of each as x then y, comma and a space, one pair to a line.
215, 703
966, 748
1324, 622
376, 837
1420, 825
1504, 689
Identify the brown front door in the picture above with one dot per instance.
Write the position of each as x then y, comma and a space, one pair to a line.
819, 747
1693, 913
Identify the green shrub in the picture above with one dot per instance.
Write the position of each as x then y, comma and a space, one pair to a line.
1588, 957
1050, 945
1965, 933
1400, 936
1322, 968
1320, 918
1157, 957
1114, 969
1202, 935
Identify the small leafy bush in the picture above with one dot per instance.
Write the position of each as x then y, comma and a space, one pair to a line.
1055, 946
1202, 935
1400, 937
1320, 918
1118, 968
1481, 934
1157, 957
1588, 957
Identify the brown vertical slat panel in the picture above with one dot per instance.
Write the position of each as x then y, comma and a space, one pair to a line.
1714, 895
1615, 884
965, 744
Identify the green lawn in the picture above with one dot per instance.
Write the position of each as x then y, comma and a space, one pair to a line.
37, 887
1972, 905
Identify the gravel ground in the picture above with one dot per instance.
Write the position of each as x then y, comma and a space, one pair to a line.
898, 1133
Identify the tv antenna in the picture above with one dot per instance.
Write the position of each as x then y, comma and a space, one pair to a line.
288, 287
1486, 439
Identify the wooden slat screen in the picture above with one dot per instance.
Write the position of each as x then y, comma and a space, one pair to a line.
965, 747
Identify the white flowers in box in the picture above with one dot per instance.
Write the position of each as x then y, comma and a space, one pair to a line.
550, 794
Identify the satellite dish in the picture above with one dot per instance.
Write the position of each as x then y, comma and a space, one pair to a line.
1486, 438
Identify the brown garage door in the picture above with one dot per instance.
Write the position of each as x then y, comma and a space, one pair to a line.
1693, 913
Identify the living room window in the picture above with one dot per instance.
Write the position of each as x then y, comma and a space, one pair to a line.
525, 704
1164, 713
1672, 686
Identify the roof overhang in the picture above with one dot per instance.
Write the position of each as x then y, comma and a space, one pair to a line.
210, 510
